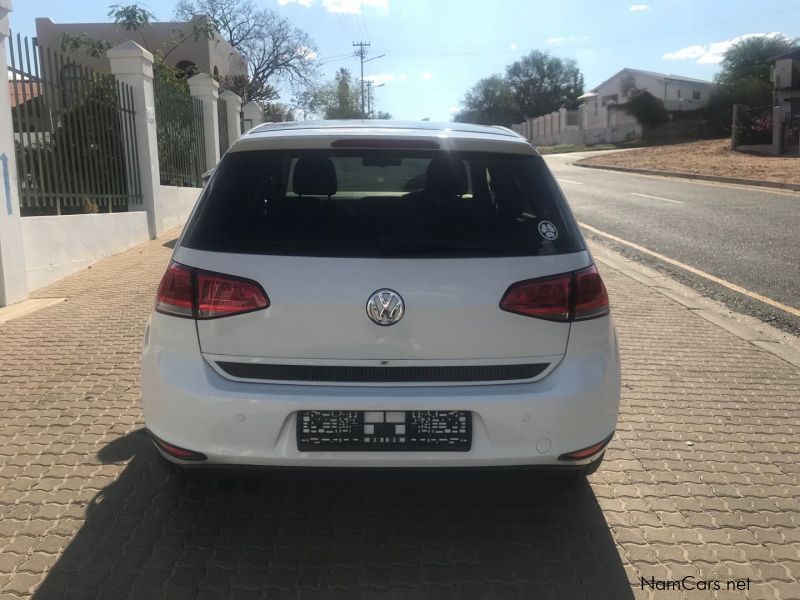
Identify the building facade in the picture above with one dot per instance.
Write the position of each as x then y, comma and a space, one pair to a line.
213, 56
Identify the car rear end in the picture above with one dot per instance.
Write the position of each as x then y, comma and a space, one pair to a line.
381, 297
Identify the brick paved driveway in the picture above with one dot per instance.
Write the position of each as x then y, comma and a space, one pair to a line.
87, 510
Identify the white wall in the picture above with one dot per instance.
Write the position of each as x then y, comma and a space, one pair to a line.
177, 204
57, 246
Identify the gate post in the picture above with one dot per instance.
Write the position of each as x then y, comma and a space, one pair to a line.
233, 103
734, 125
13, 274
777, 130
205, 88
133, 65
253, 115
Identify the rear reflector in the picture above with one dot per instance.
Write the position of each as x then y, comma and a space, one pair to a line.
191, 293
176, 452
586, 452
385, 143
575, 296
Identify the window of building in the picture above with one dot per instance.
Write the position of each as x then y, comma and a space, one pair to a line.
696, 95
680, 95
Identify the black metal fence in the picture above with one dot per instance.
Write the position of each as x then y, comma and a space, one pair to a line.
222, 114
753, 126
181, 137
74, 135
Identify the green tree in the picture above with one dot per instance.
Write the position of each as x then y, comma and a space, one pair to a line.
334, 99
647, 109
745, 69
277, 52
542, 83
490, 102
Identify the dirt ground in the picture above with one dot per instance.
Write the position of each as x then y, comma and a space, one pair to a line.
708, 158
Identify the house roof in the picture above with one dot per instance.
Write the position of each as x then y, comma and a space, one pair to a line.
20, 92
792, 53
653, 74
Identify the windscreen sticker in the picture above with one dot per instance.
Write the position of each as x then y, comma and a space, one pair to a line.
547, 230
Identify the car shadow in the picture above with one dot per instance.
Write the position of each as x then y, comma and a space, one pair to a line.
335, 534
170, 243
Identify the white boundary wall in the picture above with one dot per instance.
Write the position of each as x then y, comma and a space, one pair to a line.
57, 246
177, 204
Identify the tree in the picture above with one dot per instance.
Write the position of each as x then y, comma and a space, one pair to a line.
490, 102
334, 100
248, 89
382, 115
647, 109
276, 52
744, 76
542, 83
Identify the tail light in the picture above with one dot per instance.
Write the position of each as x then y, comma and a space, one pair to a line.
575, 296
194, 294
176, 451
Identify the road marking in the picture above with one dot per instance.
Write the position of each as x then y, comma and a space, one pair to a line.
569, 181
731, 286
735, 186
656, 198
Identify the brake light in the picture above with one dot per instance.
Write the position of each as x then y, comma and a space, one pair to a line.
546, 298
223, 295
176, 292
385, 143
191, 293
591, 298
569, 297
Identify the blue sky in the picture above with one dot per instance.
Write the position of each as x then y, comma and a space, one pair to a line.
436, 49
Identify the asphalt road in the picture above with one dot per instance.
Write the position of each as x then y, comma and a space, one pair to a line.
743, 235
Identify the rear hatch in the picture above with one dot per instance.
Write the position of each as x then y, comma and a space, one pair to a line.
322, 230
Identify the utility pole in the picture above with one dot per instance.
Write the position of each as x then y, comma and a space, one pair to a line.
362, 53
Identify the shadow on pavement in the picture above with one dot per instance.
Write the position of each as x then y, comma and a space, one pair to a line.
170, 243
321, 534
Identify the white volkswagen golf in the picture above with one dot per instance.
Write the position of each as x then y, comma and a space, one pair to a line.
381, 294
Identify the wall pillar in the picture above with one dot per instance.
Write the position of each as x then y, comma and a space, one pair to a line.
562, 120
206, 89
133, 65
13, 274
253, 115
233, 103
777, 129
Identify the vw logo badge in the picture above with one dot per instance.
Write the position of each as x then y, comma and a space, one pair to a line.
385, 307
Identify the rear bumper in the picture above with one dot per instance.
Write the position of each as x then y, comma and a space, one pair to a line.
188, 404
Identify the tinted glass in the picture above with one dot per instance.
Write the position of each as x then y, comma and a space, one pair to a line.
396, 204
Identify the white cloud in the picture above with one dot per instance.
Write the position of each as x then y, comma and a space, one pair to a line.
352, 7
561, 40
305, 3
710, 54
307, 53
383, 77
453, 110
638, 7
426, 75
513, 46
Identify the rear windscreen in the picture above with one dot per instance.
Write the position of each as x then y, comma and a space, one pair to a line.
382, 203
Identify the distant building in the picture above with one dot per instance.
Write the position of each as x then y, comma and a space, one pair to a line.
215, 57
678, 94
786, 81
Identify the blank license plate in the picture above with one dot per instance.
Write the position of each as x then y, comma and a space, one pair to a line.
412, 430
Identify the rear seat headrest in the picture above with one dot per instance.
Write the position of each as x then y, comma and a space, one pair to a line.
314, 176
446, 177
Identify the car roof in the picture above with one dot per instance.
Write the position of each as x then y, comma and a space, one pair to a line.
310, 134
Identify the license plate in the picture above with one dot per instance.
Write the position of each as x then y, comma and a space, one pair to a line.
412, 430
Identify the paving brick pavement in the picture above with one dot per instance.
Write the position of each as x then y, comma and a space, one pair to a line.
702, 480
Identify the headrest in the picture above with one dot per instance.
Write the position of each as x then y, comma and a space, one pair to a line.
314, 176
446, 177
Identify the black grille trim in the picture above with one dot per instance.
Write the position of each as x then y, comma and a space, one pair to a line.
349, 374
